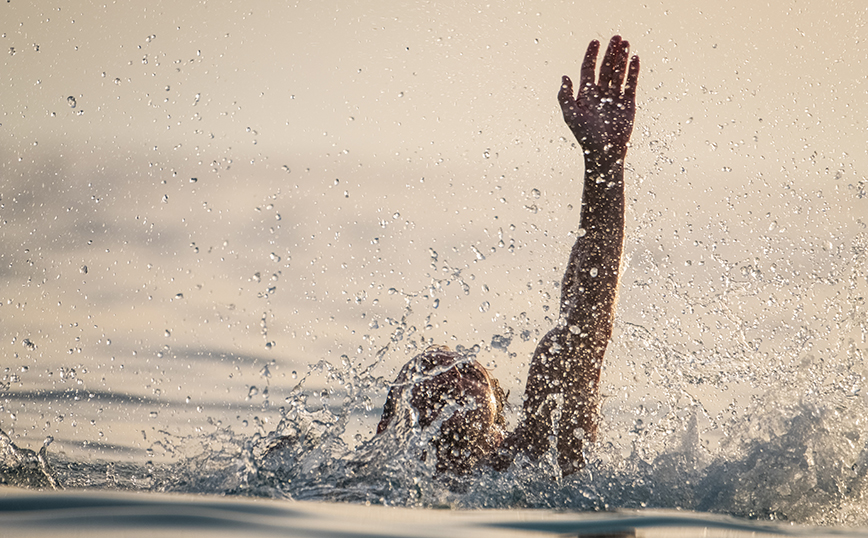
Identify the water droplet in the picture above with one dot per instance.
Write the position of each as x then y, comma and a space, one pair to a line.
581, 232
535, 193
152, 414
168, 333
70, 101
194, 179
83, 269
253, 391
484, 306
436, 303
593, 271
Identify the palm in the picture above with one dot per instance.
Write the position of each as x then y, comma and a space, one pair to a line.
601, 115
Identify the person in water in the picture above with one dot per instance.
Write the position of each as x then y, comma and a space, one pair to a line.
562, 395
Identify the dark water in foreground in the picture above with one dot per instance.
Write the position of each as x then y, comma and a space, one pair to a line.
106, 514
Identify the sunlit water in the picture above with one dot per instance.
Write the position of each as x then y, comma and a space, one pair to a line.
797, 452
733, 385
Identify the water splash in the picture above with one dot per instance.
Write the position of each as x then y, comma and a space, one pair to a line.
22, 467
789, 446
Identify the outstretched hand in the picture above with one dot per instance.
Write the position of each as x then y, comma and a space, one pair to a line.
601, 115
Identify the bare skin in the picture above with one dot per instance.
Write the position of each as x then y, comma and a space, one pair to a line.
565, 370
567, 363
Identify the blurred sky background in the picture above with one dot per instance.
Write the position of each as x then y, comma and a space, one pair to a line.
198, 200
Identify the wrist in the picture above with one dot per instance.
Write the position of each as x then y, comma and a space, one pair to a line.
603, 163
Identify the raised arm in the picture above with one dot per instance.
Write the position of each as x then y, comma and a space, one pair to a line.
565, 370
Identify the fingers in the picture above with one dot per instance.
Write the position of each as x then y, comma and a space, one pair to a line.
589, 65
565, 94
632, 80
612, 70
609, 61
622, 51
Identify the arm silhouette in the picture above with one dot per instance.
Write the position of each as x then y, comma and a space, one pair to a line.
562, 396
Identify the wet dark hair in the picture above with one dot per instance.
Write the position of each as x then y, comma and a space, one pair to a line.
435, 379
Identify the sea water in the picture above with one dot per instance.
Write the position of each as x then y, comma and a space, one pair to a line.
796, 453
731, 388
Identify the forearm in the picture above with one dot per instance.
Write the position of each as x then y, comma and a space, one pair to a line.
567, 363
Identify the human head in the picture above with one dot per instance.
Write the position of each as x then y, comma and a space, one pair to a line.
439, 378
